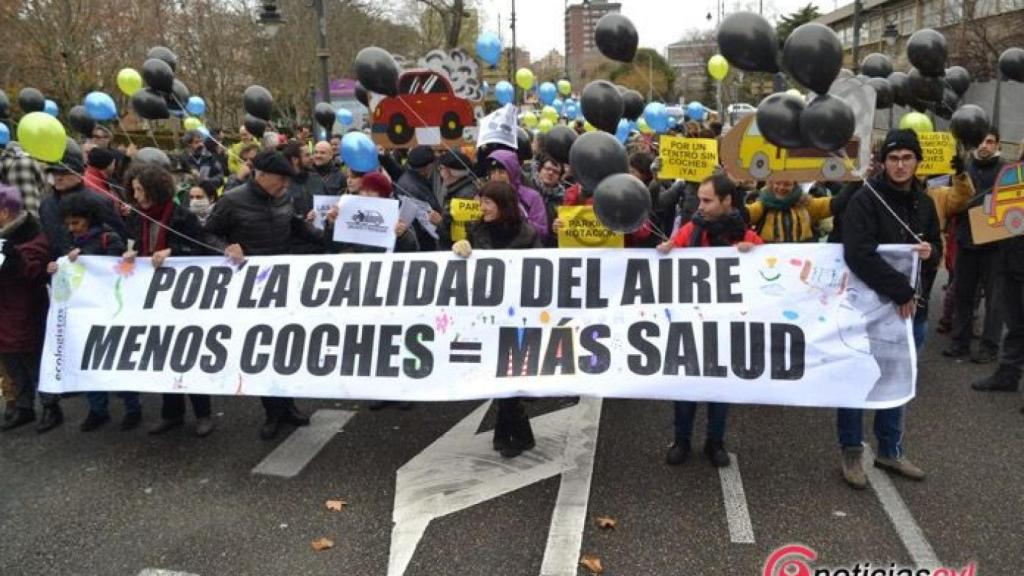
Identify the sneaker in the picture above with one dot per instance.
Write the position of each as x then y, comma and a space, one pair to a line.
131, 421
956, 352
715, 452
678, 453
204, 427
22, 417
94, 421
165, 425
900, 466
985, 356
52, 417
853, 467
1005, 379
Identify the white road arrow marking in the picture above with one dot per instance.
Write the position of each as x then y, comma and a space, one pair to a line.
460, 470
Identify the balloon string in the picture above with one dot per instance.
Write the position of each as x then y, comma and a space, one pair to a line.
657, 231
844, 156
125, 132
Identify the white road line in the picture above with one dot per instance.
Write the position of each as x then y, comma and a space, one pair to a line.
902, 520
741, 531
158, 572
568, 521
302, 445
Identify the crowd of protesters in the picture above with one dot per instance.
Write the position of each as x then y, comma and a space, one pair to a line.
256, 198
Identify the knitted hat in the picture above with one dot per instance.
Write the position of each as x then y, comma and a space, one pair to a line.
901, 139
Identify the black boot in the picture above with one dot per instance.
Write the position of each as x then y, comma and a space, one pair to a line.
715, 451
94, 421
53, 416
1005, 379
22, 417
522, 435
678, 453
294, 417
270, 427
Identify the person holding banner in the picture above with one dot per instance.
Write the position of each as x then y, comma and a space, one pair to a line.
502, 226
718, 222
783, 213
891, 208
258, 218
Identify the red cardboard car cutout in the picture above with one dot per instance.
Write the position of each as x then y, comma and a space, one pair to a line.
425, 100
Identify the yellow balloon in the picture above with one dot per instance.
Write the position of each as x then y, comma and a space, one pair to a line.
129, 81
794, 92
529, 119
545, 126
642, 125
718, 67
191, 123
550, 114
524, 78
587, 126
42, 136
917, 122
564, 87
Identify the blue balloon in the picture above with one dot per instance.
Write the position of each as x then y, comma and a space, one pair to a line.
100, 106
656, 116
488, 48
571, 109
358, 152
695, 111
547, 93
504, 92
196, 106
558, 105
51, 108
344, 116
622, 132
5, 134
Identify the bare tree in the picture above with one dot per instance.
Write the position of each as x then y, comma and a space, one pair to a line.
451, 13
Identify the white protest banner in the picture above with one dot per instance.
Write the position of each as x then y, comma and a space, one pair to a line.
366, 220
321, 206
783, 324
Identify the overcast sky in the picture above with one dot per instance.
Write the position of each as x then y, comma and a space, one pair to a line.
659, 22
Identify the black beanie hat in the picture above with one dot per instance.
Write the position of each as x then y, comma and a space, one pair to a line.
101, 157
900, 139
421, 156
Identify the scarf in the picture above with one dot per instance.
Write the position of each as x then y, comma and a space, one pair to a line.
773, 202
81, 241
725, 231
161, 214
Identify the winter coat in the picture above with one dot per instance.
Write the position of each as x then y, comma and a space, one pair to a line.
792, 219
867, 224
95, 178
983, 176
183, 221
332, 178
53, 223
485, 236
302, 189
687, 236
464, 189
529, 199
21, 171
261, 224
412, 185
25, 254
639, 239
205, 166
99, 241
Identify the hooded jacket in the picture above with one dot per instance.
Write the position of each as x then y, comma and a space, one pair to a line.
529, 199
23, 259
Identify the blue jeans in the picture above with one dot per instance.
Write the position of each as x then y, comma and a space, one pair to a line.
687, 411
98, 402
888, 422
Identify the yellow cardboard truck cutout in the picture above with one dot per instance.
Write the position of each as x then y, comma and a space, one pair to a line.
1005, 205
747, 155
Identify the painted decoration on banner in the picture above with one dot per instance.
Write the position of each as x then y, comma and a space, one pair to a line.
747, 155
938, 150
463, 211
772, 326
690, 159
366, 221
1001, 216
426, 109
582, 229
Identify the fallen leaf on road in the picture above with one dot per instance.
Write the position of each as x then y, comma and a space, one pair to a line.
605, 522
335, 505
322, 544
592, 563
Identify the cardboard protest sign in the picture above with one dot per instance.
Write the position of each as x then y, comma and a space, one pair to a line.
938, 150
463, 212
690, 159
1002, 214
426, 107
582, 229
366, 220
746, 155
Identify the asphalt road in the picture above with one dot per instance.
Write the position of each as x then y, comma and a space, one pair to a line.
116, 503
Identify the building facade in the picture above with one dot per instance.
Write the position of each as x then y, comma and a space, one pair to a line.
581, 52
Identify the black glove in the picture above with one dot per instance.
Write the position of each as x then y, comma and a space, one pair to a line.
957, 164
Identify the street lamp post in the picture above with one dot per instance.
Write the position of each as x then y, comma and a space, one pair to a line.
890, 36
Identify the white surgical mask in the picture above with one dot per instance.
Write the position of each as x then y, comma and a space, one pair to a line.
199, 205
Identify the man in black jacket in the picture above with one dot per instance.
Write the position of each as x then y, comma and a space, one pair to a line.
259, 219
892, 208
417, 183
327, 169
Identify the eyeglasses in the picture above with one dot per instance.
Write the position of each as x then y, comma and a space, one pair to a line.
901, 159
547, 168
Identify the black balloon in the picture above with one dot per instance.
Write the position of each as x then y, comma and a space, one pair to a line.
900, 84
595, 156
778, 119
827, 123
150, 105
558, 142
324, 115
377, 70
622, 203
959, 79
362, 95
158, 75
181, 92
970, 125
945, 108
31, 100
1011, 64
150, 155
925, 88
79, 119
748, 42
876, 65
165, 54
258, 102
255, 126
927, 50
813, 55
616, 37
602, 105
632, 105
5, 105
883, 93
